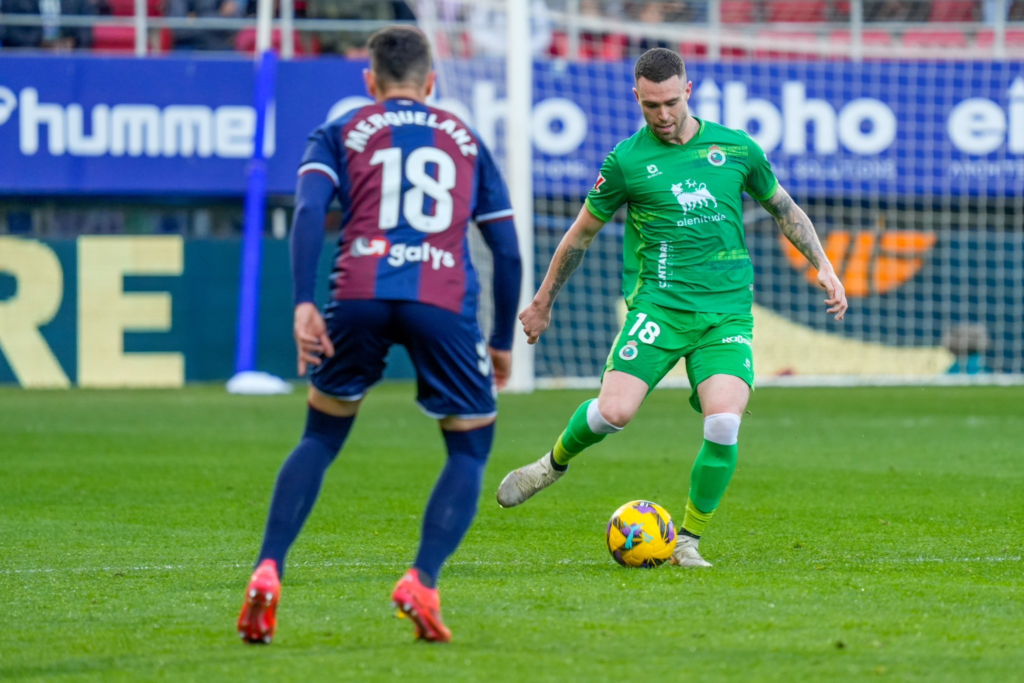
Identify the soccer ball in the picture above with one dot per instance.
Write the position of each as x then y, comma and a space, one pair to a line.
641, 534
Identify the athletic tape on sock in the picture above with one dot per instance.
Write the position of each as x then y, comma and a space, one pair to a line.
597, 423
722, 428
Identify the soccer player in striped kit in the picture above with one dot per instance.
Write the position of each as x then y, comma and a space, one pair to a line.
409, 178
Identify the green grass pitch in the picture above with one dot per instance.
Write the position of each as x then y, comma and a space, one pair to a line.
868, 533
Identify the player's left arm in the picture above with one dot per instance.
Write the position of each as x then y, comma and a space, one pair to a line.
493, 216
798, 229
500, 237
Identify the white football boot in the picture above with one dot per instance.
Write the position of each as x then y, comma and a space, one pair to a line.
518, 485
685, 553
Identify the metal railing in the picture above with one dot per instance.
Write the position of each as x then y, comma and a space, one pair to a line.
714, 35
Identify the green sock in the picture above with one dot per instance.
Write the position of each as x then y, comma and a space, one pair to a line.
577, 436
710, 476
694, 520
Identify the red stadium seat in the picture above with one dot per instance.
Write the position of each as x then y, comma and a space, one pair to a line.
934, 38
121, 39
113, 38
614, 47
245, 41
559, 46
954, 10
798, 11
591, 46
987, 39
693, 50
700, 51
787, 37
737, 12
126, 8
866, 37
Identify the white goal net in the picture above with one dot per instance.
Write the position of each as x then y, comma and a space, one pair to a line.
912, 171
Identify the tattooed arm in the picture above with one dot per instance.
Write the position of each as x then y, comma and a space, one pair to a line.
537, 316
797, 228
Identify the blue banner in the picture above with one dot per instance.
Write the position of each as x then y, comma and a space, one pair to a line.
183, 126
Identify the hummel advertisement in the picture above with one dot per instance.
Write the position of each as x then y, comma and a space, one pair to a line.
111, 126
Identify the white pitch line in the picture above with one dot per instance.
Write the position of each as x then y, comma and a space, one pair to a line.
479, 563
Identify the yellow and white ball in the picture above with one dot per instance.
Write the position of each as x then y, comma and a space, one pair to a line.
641, 534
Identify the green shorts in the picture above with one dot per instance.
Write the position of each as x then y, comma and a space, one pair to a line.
653, 339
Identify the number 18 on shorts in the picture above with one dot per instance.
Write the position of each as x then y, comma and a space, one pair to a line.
653, 339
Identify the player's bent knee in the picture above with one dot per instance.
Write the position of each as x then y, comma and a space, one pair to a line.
722, 428
608, 420
462, 424
332, 406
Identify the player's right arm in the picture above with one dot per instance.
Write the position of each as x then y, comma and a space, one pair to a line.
604, 199
537, 316
317, 185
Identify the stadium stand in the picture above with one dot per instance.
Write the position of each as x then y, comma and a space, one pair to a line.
934, 38
245, 41
121, 39
802, 12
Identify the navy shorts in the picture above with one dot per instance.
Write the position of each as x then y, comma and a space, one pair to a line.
453, 369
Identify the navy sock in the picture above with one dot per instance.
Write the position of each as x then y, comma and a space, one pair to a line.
298, 482
453, 503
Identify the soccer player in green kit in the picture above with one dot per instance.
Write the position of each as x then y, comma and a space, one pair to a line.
687, 280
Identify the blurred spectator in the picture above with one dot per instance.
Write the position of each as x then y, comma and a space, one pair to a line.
50, 35
893, 10
352, 43
402, 11
592, 42
199, 39
653, 13
488, 35
955, 11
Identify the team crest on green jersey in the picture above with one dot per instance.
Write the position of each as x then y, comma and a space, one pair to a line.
693, 196
716, 157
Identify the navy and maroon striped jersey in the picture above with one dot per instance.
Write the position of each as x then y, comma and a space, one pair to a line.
409, 177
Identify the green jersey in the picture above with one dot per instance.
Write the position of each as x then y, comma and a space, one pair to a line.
684, 246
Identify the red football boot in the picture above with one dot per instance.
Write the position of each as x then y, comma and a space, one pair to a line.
423, 606
258, 619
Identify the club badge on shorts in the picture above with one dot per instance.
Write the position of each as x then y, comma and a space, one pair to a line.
629, 351
716, 157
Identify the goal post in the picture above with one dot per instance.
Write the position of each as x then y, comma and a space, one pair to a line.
519, 170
